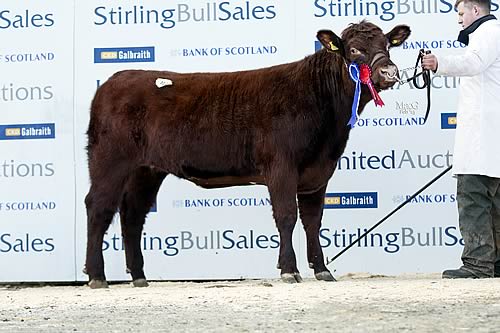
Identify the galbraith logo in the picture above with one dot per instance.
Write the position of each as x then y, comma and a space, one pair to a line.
351, 200
448, 120
27, 131
124, 54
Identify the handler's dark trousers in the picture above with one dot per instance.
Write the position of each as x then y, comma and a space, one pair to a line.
478, 199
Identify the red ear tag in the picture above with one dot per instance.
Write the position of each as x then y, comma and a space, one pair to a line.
365, 73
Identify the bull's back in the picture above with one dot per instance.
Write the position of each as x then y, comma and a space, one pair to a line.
197, 120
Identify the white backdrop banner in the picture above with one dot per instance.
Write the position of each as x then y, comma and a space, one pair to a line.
37, 173
57, 53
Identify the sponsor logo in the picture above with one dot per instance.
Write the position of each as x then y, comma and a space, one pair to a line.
14, 93
392, 242
234, 202
168, 18
385, 10
229, 240
432, 44
351, 200
224, 51
448, 120
16, 169
393, 160
425, 198
18, 206
10, 243
214, 240
25, 19
26, 57
27, 131
390, 122
124, 54
407, 107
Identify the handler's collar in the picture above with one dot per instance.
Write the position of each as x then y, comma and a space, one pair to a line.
463, 36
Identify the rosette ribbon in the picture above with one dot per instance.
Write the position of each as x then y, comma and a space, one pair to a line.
365, 77
354, 73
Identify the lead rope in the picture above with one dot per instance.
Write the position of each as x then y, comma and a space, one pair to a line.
426, 75
329, 261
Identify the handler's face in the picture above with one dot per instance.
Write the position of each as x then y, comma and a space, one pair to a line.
466, 14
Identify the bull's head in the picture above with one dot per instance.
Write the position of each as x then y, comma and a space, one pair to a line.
365, 43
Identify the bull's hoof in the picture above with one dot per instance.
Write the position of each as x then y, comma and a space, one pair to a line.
140, 283
291, 278
324, 276
98, 284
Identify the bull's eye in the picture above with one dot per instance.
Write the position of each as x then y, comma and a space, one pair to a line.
355, 51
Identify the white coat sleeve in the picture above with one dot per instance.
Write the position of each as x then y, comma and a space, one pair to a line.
481, 52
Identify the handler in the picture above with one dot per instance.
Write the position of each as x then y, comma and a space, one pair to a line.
476, 162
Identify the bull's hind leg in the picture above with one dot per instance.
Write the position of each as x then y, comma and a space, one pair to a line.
138, 198
282, 190
311, 212
102, 203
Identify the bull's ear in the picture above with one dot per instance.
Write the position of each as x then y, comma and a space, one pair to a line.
331, 41
398, 35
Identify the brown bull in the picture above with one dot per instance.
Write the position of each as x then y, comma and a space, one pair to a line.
284, 127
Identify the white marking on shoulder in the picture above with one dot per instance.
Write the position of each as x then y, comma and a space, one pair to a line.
160, 82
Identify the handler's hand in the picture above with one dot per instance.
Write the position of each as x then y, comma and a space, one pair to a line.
429, 61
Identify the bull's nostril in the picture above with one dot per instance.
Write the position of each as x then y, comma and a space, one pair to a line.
388, 72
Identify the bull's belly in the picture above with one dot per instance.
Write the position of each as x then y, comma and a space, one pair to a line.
215, 171
227, 181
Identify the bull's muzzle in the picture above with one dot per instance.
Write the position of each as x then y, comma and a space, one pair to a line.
389, 73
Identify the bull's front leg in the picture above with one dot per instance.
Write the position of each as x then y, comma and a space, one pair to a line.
282, 190
311, 212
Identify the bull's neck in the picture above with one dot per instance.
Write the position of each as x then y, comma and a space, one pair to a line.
335, 90
334, 85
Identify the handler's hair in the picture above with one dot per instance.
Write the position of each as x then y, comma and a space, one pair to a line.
485, 5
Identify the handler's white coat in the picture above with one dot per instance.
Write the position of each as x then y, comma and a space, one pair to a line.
477, 138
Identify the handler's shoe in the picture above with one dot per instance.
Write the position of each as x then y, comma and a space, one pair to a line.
459, 274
